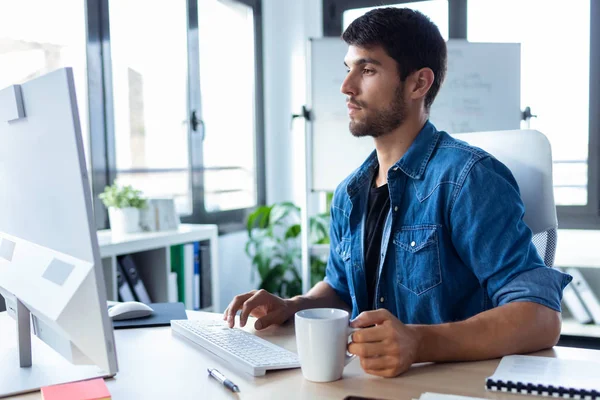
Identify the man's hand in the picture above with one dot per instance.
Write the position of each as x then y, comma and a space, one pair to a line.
268, 308
387, 349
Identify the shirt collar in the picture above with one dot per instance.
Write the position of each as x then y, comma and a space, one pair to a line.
415, 160
413, 163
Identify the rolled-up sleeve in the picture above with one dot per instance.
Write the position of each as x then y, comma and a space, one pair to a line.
490, 236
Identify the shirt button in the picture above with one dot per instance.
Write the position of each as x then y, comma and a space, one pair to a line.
381, 300
396, 208
412, 244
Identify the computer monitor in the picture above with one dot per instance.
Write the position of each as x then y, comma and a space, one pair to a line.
50, 268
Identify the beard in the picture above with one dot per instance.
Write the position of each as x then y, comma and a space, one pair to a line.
382, 121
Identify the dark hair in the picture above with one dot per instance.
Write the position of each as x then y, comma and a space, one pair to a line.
408, 36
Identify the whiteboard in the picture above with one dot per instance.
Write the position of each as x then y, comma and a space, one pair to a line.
481, 92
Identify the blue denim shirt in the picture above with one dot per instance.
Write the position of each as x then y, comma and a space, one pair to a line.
454, 242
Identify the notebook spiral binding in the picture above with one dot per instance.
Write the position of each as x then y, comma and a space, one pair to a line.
542, 390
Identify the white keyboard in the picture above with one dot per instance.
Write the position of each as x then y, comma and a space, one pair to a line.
244, 350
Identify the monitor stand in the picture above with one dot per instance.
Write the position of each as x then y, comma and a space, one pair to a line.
23, 317
18, 348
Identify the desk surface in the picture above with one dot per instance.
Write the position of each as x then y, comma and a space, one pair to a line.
154, 364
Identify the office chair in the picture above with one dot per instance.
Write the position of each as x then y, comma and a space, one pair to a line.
528, 155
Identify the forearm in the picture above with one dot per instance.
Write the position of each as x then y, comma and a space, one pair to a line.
518, 327
321, 295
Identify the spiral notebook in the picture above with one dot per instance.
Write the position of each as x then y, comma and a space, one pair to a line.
546, 376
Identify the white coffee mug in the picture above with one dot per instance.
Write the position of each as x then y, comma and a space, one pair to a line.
322, 340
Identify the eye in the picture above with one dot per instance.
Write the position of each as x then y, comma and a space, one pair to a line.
368, 71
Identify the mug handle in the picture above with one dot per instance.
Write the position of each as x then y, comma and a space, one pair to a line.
350, 357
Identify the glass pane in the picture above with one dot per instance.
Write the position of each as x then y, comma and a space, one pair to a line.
436, 10
227, 68
149, 61
562, 109
40, 36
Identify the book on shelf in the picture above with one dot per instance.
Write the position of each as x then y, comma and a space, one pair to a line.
177, 267
188, 274
173, 288
191, 263
196, 285
132, 275
205, 277
123, 289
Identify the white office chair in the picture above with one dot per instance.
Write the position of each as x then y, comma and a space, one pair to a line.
528, 155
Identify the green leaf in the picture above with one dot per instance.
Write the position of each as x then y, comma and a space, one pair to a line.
292, 232
282, 210
122, 196
328, 201
272, 281
260, 216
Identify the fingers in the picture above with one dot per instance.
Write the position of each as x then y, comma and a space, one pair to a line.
366, 350
234, 306
276, 317
386, 373
377, 363
258, 299
374, 334
368, 318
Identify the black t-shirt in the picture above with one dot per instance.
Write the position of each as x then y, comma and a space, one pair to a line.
377, 211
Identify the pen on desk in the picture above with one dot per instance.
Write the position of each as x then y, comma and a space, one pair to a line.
222, 379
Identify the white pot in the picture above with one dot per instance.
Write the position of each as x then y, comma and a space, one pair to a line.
124, 220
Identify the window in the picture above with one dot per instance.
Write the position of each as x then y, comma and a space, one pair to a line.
35, 43
185, 93
227, 87
556, 88
150, 97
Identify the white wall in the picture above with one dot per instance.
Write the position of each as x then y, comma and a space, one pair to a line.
234, 268
287, 25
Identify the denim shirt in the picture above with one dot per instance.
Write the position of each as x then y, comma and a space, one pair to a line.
454, 242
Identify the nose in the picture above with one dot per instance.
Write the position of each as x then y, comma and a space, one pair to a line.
348, 86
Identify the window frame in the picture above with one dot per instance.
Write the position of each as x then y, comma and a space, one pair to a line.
101, 116
569, 217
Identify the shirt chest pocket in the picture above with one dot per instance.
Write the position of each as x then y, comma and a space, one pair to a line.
417, 258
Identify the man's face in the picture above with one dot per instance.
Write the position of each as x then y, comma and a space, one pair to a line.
373, 92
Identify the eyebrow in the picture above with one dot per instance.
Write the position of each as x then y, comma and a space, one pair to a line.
361, 61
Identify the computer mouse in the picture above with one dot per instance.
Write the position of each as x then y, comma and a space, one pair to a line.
129, 310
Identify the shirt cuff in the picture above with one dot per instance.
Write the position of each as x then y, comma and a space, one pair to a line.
542, 285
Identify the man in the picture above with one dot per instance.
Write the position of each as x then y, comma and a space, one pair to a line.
428, 241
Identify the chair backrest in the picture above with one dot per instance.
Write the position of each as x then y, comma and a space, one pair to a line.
528, 155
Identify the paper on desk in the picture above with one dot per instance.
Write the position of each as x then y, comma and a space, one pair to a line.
440, 396
548, 371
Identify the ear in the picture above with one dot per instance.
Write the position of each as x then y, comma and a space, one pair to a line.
421, 81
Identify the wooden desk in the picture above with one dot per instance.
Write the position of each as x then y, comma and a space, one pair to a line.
155, 364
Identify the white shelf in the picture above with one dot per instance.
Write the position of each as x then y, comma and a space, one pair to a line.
135, 242
152, 254
573, 328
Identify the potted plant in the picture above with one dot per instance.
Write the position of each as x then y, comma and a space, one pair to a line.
274, 247
124, 204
